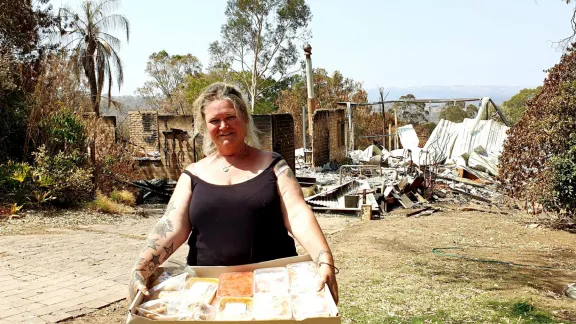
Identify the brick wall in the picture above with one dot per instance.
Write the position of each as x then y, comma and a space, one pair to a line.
144, 130
283, 138
263, 124
175, 145
329, 128
320, 137
276, 133
337, 129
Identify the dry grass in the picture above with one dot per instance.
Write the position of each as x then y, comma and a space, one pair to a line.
390, 275
106, 205
123, 197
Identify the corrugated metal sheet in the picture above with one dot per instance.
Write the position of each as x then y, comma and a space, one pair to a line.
439, 145
489, 134
408, 137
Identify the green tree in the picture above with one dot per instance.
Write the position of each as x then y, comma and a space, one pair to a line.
456, 112
411, 112
515, 108
328, 90
168, 73
24, 42
259, 38
95, 51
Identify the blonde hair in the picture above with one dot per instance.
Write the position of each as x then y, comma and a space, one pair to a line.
222, 91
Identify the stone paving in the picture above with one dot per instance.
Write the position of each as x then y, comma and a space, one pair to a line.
50, 278
54, 277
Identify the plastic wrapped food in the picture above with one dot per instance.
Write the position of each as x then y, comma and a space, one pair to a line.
235, 284
159, 276
200, 290
197, 311
159, 309
271, 280
235, 308
306, 305
169, 288
303, 277
272, 307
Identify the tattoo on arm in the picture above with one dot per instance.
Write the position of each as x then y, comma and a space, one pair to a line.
169, 250
169, 209
320, 254
152, 244
163, 227
283, 167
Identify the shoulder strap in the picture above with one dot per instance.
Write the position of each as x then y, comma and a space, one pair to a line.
275, 161
191, 178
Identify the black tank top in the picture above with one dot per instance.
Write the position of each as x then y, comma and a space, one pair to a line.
237, 224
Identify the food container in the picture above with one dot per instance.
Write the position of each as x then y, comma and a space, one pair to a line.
235, 308
235, 284
200, 290
307, 305
272, 307
197, 311
271, 280
303, 277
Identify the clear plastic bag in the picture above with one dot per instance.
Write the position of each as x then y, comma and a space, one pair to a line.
200, 290
159, 309
169, 288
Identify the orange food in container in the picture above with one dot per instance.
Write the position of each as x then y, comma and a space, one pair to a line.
235, 284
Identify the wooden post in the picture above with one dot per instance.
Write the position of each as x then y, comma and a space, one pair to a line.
390, 137
395, 129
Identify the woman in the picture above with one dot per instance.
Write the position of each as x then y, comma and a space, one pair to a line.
237, 205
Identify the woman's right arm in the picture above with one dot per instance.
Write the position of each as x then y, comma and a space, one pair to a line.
168, 234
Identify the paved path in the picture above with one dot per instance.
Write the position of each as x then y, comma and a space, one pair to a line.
53, 277
50, 278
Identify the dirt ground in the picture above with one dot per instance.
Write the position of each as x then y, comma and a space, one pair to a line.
389, 273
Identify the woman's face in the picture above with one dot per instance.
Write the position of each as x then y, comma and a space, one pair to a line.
226, 128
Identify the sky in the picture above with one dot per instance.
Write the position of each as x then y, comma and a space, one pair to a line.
390, 43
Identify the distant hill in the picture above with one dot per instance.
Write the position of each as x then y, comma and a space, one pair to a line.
127, 103
498, 93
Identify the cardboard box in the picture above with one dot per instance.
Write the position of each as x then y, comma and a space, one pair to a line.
214, 272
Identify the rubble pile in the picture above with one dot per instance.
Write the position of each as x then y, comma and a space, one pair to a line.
457, 165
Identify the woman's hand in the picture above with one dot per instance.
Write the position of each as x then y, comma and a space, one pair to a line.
137, 283
327, 274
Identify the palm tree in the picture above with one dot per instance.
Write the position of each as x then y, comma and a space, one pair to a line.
94, 50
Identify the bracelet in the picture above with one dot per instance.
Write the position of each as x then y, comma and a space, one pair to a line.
336, 270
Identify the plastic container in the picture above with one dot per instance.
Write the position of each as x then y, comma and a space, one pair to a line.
197, 311
303, 277
272, 307
200, 290
271, 280
235, 284
235, 309
306, 305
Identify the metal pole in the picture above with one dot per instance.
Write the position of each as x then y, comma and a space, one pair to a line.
304, 131
310, 85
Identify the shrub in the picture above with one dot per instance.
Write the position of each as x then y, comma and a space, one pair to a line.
124, 197
65, 175
533, 166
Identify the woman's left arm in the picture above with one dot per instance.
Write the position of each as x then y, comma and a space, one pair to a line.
301, 222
